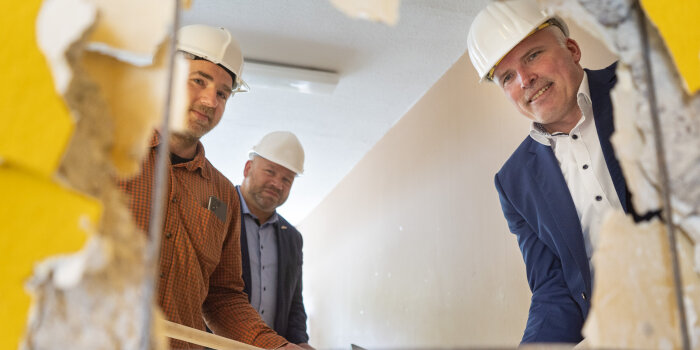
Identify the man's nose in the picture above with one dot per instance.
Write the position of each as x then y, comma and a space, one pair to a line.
208, 97
276, 183
527, 77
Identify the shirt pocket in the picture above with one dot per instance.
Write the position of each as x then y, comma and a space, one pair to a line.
207, 238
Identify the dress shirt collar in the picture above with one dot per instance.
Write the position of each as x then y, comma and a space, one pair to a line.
539, 134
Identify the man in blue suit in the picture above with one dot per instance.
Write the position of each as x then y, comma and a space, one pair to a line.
557, 186
271, 248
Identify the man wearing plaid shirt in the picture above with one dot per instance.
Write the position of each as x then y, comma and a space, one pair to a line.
200, 264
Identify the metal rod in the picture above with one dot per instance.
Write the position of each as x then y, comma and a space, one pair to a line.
155, 225
663, 177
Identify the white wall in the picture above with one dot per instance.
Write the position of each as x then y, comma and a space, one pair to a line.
411, 248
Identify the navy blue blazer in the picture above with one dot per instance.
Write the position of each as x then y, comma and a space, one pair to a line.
541, 213
290, 320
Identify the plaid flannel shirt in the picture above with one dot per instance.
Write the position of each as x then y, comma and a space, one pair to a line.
200, 260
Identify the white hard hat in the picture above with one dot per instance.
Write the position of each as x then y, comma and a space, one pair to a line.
283, 148
215, 44
499, 27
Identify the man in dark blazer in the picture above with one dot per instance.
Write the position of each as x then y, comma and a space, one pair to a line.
271, 248
557, 186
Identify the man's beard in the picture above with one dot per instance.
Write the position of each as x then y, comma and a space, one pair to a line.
195, 129
274, 202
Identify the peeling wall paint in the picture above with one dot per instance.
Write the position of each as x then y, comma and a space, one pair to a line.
93, 298
41, 215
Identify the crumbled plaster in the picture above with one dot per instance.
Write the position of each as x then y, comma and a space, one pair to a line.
94, 298
633, 294
615, 22
132, 94
386, 11
633, 301
131, 30
133, 86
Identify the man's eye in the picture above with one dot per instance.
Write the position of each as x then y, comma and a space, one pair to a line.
222, 95
198, 81
533, 55
506, 78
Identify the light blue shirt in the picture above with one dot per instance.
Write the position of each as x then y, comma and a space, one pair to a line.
262, 252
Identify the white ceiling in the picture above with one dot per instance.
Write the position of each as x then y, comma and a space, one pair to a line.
383, 72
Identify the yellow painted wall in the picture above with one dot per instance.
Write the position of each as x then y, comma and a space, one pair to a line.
35, 124
411, 250
676, 22
39, 216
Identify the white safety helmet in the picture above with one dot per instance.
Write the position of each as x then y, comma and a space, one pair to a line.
283, 148
499, 27
217, 45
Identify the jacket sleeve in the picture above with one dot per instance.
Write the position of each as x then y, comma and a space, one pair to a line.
554, 316
226, 309
296, 329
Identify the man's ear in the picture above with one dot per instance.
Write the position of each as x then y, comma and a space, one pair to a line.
248, 164
575, 50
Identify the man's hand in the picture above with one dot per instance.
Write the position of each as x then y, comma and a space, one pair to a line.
290, 346
306, 346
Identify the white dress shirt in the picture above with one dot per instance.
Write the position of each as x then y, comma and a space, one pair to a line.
583, 165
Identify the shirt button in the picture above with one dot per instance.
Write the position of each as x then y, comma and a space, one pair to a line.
174, 200
168, 235
585, 166
262, 312
598, 198
583, 295
162, 275
574, 136
264, 289
263, 268
261, 247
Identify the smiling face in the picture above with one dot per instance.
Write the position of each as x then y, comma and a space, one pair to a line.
541, 76
209, 87
266, 186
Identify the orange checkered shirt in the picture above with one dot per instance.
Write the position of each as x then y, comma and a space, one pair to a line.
200, 259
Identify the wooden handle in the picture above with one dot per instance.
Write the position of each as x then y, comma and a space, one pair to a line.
195, 336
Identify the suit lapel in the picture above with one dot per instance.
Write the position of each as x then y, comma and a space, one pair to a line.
545, 171
600, 83
282, 266
245, 257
